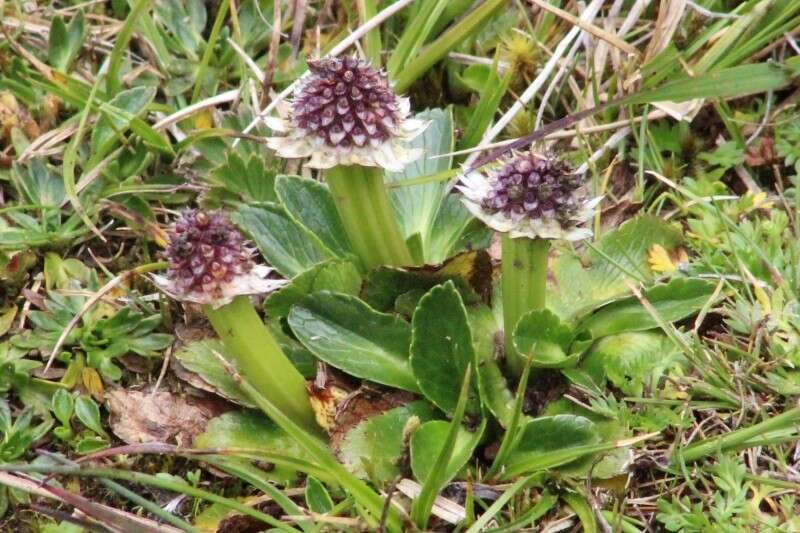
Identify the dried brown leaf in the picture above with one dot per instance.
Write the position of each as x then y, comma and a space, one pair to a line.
139, 416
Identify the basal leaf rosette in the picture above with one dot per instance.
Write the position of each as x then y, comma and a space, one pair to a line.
345, 112
531, 195
210, 262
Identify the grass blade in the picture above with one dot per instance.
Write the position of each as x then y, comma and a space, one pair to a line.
436, 50
114, 79
364, 495
421, 508
499, 503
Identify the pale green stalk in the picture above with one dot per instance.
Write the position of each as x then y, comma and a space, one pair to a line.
259, 358
523, 285
367, 215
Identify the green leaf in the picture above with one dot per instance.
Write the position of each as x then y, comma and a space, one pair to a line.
426, 445
249, 179
346, 333
253, 431
455, 230
89, 414
7, 319
470, 271
39, 184
731, 82
619, 257
128, 104
287, 246
491, 88
149, 344
199, 357
65, 41
438, 471
64, 273
374, 447
91, 444
69, 93
611, 431
415, 32
494, 391
580, 505
492, 384
541, 333
334, 275
317, 498
551, 441
310, 204
58, 44
63, 406
672, 301
416, 205
631, 361
441, 345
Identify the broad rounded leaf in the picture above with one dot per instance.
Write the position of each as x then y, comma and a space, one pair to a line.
426, 444
317, 498
541, 333
441, 345
199, 357
550, 441
346, 333
372, 449
288, 247
416, 207
672, 301
335, 275
251, 430
310, 204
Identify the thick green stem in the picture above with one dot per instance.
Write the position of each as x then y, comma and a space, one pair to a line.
366, 211
259, 358
523, 285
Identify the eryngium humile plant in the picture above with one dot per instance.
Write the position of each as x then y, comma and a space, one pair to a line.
345, 113
211, 264
531, 195
531, 199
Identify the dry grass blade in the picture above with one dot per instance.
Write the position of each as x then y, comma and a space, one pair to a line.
447, 510
600, 33
111, 515
588, 14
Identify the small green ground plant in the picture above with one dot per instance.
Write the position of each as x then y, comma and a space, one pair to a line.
434, 265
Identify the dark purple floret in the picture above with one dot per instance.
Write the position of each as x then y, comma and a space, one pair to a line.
346, 102
535, 186
205, 252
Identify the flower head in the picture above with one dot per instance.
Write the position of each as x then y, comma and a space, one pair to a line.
210, 262
531, 195
345, 113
